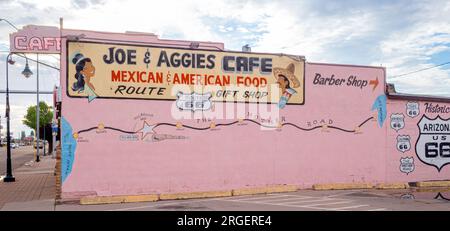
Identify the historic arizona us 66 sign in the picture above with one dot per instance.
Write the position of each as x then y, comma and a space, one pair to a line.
433, 144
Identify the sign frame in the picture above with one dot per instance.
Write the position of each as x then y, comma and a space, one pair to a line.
66, 56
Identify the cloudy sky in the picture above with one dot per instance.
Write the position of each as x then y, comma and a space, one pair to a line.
402, 36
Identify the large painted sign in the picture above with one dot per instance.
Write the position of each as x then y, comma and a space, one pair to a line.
433, 144
419, 135
193, 77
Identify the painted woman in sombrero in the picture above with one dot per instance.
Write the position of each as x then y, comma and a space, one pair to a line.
287, 81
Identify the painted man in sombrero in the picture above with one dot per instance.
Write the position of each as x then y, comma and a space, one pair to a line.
287, 81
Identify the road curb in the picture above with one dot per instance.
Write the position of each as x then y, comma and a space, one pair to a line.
427, 184
118, 199
392, 186
92, 200
263, 190
434, 190
194, 195
342, 186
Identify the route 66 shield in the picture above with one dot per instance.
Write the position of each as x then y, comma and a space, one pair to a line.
193, 101
412, 109
407, 165
397, 121
433, 144
403, 143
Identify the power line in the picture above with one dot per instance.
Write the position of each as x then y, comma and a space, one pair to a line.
424, 69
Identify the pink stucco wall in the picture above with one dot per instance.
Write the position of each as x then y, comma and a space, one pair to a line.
241, 155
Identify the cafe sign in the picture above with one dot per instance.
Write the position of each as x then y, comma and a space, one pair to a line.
102, 70
36, 39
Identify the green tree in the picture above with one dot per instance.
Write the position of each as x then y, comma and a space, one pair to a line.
45, 116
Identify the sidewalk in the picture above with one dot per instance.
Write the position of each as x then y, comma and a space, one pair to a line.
34, 188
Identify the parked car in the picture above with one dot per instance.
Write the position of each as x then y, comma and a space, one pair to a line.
41, 144
14, 145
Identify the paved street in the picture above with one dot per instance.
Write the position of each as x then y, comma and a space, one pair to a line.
305, 200
20, 156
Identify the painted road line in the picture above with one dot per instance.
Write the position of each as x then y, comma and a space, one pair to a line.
288, 199
287, 205
315, 200
332, 203
252, 196
380, 209
306, 206
257, 198
343, 194
350, 207
164, 204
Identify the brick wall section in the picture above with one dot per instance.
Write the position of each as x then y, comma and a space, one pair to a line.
58, 172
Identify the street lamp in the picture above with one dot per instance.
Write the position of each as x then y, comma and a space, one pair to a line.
27, 72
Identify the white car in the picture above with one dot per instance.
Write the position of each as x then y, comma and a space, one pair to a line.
14, 145
41, 144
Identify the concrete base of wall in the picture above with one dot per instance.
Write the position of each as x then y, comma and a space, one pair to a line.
427, 184
342, 186
91, 200
392, 186
193, 195
263, 190
118, 199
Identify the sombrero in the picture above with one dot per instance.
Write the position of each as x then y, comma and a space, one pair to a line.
287, 72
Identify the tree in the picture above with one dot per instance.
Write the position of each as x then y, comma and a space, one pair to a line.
45, 116
45, 120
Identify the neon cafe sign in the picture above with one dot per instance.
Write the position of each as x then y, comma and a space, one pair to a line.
36, 39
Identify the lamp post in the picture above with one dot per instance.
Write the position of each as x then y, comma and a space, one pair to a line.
9, 177
27, 73
38, 110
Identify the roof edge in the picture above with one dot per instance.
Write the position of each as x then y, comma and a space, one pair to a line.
416, 97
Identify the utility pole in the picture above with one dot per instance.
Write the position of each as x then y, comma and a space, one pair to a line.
38, 108
1, 142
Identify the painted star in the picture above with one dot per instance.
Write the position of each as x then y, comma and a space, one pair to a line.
146, 129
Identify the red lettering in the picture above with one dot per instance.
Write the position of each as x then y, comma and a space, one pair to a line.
176, 79
159, 77
115, 77
123, 76
184, 78
131, 79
